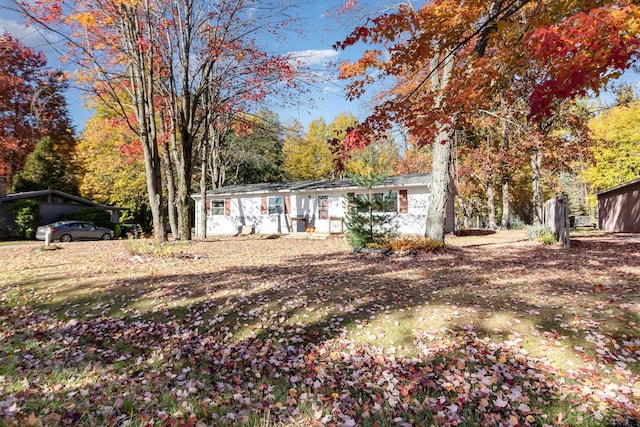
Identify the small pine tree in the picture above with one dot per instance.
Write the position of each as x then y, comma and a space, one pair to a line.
370, 218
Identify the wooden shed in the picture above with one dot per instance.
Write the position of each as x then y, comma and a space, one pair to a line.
619, 208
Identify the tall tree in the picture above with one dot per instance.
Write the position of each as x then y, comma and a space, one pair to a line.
46, 169
616, 153
214, 60
32, 106
256, 154
187, 63
381, 155
110, 156
447, 58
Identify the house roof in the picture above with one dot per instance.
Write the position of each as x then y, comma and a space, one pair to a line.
316, 186
619, 187
32, 194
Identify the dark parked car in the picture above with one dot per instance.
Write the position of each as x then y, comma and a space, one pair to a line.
130, 231
66, 231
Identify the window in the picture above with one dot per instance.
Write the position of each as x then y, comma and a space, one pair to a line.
217, 207
386, 202
323, 207
275, 205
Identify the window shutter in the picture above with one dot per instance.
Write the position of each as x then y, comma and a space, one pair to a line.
287, 204
404, 202
207, 205
263, 208
227, 207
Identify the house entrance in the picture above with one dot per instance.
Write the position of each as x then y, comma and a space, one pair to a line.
330, 219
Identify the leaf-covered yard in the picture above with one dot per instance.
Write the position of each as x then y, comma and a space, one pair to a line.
493, 330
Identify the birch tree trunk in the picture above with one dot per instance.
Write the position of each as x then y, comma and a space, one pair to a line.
466, 213
491, 203
506, 213
506, 178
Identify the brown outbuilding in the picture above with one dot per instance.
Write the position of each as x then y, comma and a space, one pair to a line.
619, 208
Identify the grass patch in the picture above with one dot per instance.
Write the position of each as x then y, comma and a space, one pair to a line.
288, 332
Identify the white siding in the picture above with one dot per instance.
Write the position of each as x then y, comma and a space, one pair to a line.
246, 210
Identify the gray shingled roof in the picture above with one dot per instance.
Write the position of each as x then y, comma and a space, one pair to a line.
316, 186
32, 194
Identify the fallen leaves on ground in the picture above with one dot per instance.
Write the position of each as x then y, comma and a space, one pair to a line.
291, 332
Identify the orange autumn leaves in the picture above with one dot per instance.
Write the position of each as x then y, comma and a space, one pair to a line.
544, 52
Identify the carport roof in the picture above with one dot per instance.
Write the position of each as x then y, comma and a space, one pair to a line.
33, 194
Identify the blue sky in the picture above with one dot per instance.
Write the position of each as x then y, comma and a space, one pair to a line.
322, 28
325, 98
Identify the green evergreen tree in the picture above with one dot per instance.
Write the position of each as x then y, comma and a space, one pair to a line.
371, 218
46, 169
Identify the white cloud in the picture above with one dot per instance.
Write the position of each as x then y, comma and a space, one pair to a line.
314, 56
31, 36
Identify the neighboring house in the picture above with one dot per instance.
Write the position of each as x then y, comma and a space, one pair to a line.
292, 207
53, 203
619, 208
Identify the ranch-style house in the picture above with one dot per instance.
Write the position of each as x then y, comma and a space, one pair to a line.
294, 207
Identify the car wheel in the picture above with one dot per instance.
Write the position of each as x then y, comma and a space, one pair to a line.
106, 236
65, 238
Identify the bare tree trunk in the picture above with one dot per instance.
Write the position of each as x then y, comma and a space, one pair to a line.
466, 213
491, 204
536, 172
202, 225
171, 189
436, 214
141, 69
183, 159
216, 166
440, 174
506, 213
506, 178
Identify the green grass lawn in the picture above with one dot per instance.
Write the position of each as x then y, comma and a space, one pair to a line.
492, 330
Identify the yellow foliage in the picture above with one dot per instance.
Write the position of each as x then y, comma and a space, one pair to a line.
128, 3
616, 158
86, 19
379, 158
308, 157
111, 177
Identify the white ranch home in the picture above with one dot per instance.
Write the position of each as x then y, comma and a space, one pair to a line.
293, 207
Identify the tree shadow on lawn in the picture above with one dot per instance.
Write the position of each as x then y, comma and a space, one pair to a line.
302, 341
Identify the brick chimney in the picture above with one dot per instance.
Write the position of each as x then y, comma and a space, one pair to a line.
3, 186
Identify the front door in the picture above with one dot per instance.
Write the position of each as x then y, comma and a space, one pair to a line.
329, 218
322, 218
